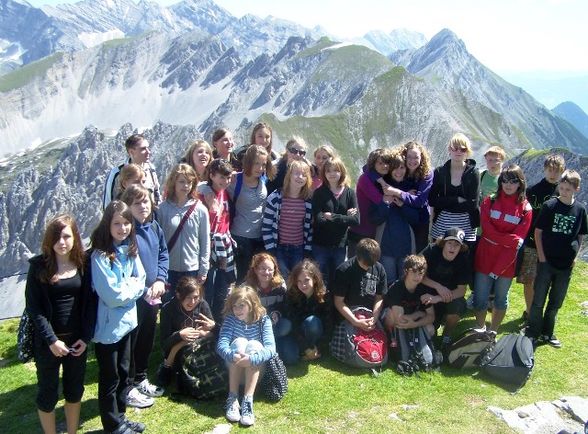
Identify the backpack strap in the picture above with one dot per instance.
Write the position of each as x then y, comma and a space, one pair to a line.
484, 172
238, 185
175, 236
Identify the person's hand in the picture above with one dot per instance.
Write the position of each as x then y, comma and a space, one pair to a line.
444, 293
157, 289
460, 199
352, 211
397, 201
243, 362
78, 347
365, 324
328, 216
59, 349
189, 334
237, 357
205, 322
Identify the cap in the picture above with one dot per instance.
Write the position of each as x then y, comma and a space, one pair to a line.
454, 234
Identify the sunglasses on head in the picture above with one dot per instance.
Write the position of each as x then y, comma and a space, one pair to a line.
295, 151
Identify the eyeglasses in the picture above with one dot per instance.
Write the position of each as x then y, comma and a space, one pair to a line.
295, 151
511, 181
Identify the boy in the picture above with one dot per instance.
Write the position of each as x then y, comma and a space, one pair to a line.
495, 157
403, 304
558, 237
537, 195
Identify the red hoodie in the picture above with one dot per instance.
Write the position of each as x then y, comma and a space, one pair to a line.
505, 223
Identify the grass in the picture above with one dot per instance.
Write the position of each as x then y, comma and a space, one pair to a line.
28, 73
327, 397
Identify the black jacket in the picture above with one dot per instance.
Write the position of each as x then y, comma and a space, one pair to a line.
470, 191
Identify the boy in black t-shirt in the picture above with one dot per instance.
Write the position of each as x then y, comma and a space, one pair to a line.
360, 281
558, 237
537, 195
403, 304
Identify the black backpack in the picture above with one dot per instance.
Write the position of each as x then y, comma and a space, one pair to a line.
510, 362
469, 348
413, 351
201, 371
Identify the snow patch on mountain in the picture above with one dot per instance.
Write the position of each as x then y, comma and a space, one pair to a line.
92, 39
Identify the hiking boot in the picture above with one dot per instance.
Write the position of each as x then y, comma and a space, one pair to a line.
138, 400
232, 407
164, 375
552, 340
135, 426
148, 389
311, 354
247, 416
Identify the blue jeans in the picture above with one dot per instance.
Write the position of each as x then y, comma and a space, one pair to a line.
553, 283
172, 279
311, 331
328, 259
483, 284
246, 248
288, 256
393, 266
216, 290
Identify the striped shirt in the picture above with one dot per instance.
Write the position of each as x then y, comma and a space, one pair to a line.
260, 331
448, 219
291, 221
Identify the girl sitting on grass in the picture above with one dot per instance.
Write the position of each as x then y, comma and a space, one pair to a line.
246, 342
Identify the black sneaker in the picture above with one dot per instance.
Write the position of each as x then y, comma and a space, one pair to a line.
164, 375
552, 340
135, 426
525, 316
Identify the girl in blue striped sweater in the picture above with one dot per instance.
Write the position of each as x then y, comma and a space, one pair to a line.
246, 342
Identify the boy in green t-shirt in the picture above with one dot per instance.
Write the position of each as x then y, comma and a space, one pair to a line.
495, 157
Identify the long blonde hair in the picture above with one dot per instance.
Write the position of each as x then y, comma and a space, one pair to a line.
306, 190
249, 295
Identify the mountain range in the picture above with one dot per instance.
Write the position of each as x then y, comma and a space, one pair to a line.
574, 115
204, 69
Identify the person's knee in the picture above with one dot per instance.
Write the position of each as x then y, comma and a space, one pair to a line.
239, 345
253, 347
312, 326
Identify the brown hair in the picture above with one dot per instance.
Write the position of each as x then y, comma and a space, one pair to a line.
170, 183
306, 190
318, 287
134, 141
376, 154
337, 164
218, 165
555, 161
52, 234
496, 150
571, 177
258, 126
219, 134
251, 278
368, 251
247, 294
251, 154
416, 263
424, 168
186, 286
128, 172
441, 243
101, 237
136, 192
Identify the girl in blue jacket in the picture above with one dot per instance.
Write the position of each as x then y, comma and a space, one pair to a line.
118, 278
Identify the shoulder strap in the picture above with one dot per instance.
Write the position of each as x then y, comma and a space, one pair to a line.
174, 238
483, 174
238, 185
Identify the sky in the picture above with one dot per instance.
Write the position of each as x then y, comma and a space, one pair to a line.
515, 38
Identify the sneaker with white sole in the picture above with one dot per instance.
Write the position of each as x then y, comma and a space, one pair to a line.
233, 413
138, 400
148, 389
247, 416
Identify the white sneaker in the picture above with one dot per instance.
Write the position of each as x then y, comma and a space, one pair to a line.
233, 410
138, 400
148, 389
247, 416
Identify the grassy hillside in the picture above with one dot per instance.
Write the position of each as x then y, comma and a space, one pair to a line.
326, 397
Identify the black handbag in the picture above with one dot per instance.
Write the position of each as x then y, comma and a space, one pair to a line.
25, 336
274, 382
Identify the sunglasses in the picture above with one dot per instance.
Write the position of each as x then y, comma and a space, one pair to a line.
295, 151
511, 181
458, 149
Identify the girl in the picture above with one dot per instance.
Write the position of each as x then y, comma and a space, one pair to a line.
321, 155
368, 192
118, 278
222, 141
184, 220
334, 207
396, 238
246, 342
198, 156
287, 219
261, 135
222, 268
60, 305
307, 308
295, 151
248, 193
455, 192
264, 276
506, 218
186, 318
129, 175
154, 257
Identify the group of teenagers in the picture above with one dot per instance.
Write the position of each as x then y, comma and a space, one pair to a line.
268, 253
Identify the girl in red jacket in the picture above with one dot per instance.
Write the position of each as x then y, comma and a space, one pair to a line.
505, 221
